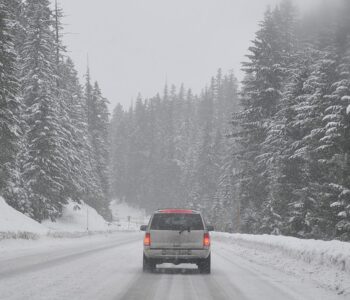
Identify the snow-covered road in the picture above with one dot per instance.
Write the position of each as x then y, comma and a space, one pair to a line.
109, 267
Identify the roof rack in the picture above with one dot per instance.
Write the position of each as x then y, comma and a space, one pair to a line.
177, 210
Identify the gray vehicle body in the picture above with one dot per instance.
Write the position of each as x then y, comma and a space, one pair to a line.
177, 246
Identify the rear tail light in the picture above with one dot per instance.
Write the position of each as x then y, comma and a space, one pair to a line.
206, 240
147, 239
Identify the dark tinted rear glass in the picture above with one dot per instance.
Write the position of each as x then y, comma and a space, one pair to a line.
177, 222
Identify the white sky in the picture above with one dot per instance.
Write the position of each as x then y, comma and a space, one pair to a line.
136, 45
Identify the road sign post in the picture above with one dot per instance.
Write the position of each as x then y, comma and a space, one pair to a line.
129, 219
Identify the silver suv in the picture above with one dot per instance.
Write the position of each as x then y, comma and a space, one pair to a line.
176, 236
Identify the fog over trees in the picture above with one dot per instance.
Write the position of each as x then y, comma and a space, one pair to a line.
172, 150
269, 155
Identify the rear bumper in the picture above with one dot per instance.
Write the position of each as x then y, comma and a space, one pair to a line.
186, 256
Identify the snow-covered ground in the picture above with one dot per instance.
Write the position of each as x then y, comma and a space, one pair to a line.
244, 266
107, 267
128, 217
326, 263
77, 220
12, 221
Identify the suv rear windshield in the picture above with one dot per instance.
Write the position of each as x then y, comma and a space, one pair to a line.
177, 221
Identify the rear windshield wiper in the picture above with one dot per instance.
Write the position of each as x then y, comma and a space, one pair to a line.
184, 229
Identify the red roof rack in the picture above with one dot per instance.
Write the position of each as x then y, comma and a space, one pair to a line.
176, 211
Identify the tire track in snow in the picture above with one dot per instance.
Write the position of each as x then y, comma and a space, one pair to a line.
143, 287
49, 263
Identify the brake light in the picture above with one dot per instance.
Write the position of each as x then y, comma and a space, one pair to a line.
206, 240
147, 239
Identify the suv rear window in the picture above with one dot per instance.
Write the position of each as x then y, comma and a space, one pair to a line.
170, 221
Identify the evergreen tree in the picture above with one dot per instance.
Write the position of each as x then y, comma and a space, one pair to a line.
260, 96
335, 143
45, 166
118, 152
10, 105
98, 129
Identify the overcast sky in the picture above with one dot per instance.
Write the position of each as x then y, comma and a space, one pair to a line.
137, 45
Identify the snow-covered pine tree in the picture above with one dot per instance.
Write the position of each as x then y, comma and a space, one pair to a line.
222, 206
313, 203
45, 165
82, 185
260, 95
97, 198
192, 144
69, 96
204, 169
17, 24
10, 104
277, 142
335, 144
98, 129
119, 145
226, 202
286, 138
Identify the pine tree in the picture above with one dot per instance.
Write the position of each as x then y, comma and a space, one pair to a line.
98, 130
276, 146
118, 152
97, 196
82, 184
335, 144
260, 97
45, 165
72, 118
10, 105
225, 203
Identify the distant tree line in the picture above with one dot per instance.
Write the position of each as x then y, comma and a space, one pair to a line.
272, 158
53, 131
172, 150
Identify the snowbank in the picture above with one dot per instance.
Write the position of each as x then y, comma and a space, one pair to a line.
327, 263
14, 224
330, 253
78, 218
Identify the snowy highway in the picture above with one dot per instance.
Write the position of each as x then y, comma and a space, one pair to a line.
110, 267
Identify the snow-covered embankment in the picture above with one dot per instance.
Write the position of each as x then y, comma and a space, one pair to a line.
77, 220
325, 262
14, 224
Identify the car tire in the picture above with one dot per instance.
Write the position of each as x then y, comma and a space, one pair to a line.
205, 265
148, 265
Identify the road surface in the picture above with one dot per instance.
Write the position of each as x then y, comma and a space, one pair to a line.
110, 268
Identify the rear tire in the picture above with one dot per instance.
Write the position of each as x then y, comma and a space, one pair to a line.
148, 265
205, 265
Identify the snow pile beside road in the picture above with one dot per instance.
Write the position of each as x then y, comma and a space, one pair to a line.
330, 253
78, 218
325, 262
75, 220
14, 224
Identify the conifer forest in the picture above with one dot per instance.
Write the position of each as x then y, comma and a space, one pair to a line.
269, 154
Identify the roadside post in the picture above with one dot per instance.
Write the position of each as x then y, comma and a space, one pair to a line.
129, 218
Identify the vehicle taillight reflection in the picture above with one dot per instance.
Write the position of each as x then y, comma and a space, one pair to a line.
206, 240
147, 239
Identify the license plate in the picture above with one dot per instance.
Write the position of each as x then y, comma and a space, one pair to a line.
176, 252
